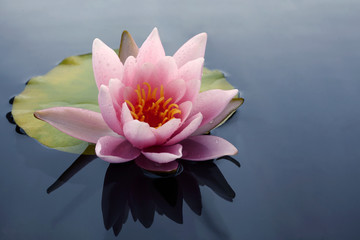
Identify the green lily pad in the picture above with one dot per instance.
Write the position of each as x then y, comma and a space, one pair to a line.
72, 84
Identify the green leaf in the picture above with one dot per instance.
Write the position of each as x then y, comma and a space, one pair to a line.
72, 84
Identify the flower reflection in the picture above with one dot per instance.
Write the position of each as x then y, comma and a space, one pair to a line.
129, 189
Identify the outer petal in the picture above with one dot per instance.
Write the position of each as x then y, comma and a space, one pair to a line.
125, 114
211, 103
151, 50
192, 49
186, 129
192, 90
205, 147
164, 132
139, 134
106, 63
79, 123
163, 154
116, 88
149, 165
115, 149
108, 111
192, 70
185, 108
229, 109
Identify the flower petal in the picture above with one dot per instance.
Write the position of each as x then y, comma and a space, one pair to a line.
106, 63
130, 68
149, 165
139, 134
185, 108
205, 147
227, 112
108, 111
192, 49
211, 103
79, 123
175, 89
192, 90
164, 132
125, 114
192, 70
151, 50
186, 129
115, 149
166, 69
116, 88
163, 154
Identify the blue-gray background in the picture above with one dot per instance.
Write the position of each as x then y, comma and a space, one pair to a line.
296, 63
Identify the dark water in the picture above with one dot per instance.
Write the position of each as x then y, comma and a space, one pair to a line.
296, 64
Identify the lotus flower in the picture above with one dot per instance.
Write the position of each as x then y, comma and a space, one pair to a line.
150, 106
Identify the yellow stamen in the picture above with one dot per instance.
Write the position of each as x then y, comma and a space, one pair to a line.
143, 93
149, 90
134, 115
164, 120
154, 94
173, 112
159, 101
161, 91
151, 107
166, 102
173, 105
130, 105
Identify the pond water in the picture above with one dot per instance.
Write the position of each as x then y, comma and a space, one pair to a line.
296, 63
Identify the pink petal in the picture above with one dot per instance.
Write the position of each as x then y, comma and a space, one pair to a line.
175, 89
108, 111
164, 132
79, 123
116, 88
192, 70
151, 50
125, 114
205, 147
106, 63
231, 107
186, 129
149, 165
128, 93
166, 69
192, 90
139, 134
130, 68
211, 103
145, 73
163, 154
115, 149
192, 49
185, 108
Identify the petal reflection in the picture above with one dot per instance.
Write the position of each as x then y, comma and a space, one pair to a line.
128, 189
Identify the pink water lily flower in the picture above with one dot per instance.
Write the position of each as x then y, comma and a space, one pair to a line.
150, 106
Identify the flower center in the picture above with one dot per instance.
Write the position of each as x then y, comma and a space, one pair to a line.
151, 107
